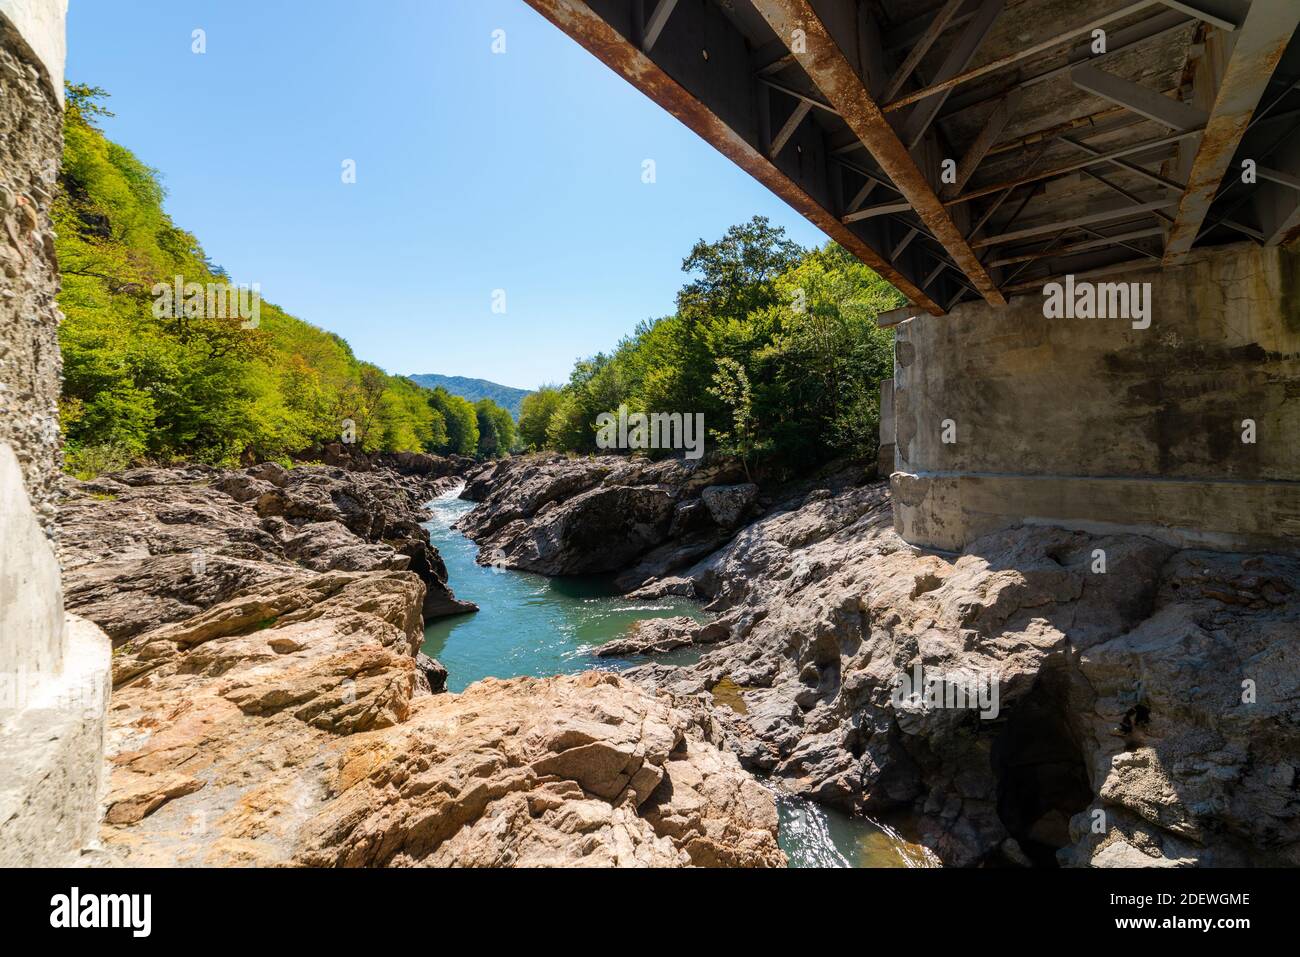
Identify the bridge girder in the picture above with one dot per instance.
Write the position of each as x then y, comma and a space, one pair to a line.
959, 150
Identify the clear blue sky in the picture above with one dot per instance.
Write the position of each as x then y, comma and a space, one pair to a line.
475, 171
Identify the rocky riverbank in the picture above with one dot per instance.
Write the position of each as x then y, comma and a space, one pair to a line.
270, 705
1148, 699
570, 516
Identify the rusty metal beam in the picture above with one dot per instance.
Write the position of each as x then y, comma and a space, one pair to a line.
958, 58
1255, 49
983, 142
1071, 167
826, 65
608, 45
920, 49
1005, 61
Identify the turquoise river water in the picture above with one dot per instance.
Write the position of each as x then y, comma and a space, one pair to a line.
532, 625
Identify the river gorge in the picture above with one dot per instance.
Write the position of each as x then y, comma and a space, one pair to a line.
528, 624
413, 661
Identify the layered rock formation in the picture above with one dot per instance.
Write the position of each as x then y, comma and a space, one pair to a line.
151, 546
1145, 700
271, 707
561, 516
292, 725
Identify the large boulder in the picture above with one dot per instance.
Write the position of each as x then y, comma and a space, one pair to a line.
727, 504
582, 769
657, 636
126, 598
599, 530
434, 672
567, 516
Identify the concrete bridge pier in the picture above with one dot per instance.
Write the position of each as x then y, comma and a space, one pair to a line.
1182, 426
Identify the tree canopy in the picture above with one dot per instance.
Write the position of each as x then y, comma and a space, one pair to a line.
140, 386
776, 345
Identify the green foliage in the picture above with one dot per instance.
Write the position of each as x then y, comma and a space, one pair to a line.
462, 422
535, 415
731, 385
137, 386
87, 461
776, 345
496, 429
734, 275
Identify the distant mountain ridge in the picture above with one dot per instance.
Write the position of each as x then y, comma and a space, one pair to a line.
505, 396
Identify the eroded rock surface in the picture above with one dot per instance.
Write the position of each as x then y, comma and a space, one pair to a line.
313, 740
584, 769
149, 546
271, 705
1120, 691
561, 516
657, 636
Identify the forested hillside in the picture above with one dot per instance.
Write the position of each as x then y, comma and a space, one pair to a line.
139, 387
776, 345
505, 396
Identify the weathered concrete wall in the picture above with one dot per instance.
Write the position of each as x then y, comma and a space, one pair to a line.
52, 754
54, 687
885, 458
1092, 423
54, 669
31, 595
40, 23
31, 143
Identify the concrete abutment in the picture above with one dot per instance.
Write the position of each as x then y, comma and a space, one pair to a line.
1185, 430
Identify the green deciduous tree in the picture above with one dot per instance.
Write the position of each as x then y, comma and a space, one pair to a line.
496, 429
461, 420
776, 345
535, 416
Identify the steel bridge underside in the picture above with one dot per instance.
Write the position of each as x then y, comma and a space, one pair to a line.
975, 149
